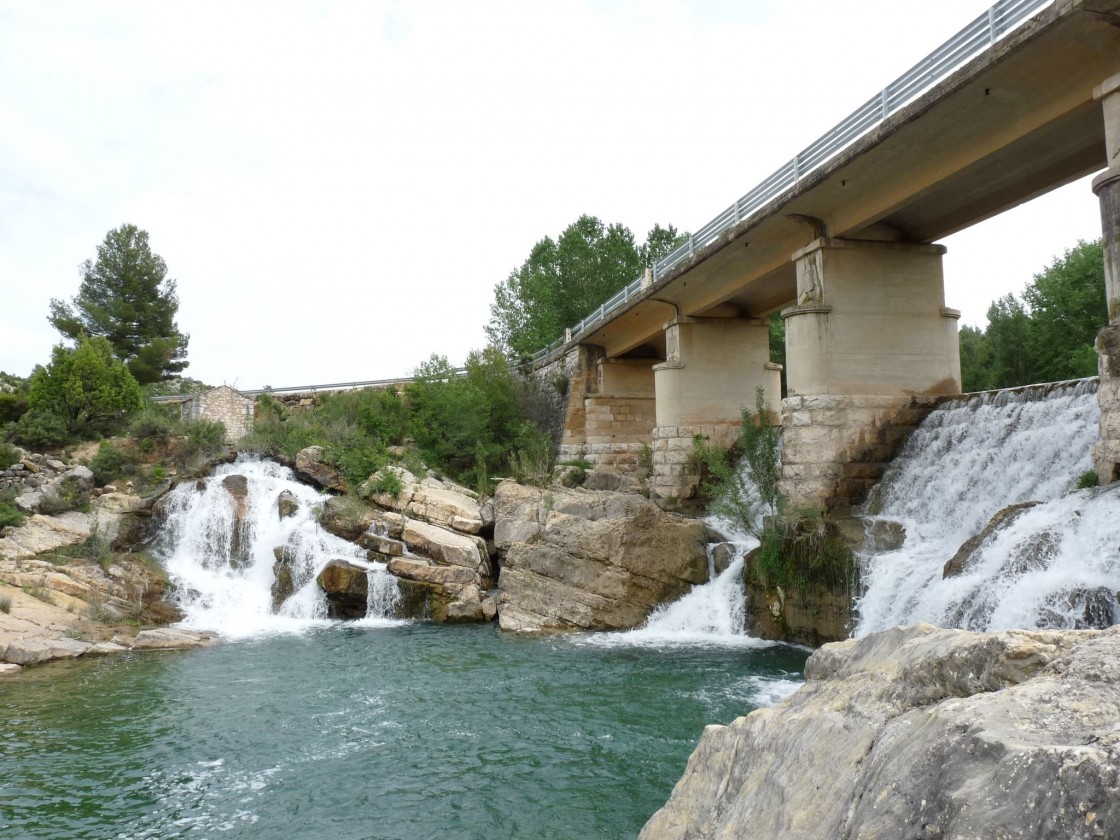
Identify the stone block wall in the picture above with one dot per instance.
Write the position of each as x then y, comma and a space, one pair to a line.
616, 431
1106, 451
223, 404
836, 447
675, 475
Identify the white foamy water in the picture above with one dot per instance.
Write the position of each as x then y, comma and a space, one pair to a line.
223, 572
1051, 566
713, 613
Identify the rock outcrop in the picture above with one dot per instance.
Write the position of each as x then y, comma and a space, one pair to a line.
590, 560
920, 733
310, 467
347, 589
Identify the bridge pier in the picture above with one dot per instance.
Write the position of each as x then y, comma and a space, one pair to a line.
1106, 452
869, 347
712, 369
610, 413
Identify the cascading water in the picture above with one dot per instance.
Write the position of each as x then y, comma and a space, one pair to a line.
220, 546
1049, 565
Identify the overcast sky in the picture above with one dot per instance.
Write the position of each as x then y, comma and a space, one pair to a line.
338, 186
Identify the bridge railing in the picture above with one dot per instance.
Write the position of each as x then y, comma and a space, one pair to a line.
980, 34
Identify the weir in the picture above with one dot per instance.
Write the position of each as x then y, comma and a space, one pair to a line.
1053, 563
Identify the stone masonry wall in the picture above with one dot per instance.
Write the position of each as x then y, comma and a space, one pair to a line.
617, 430
835, 447
233, 410
1106, 451
675, 476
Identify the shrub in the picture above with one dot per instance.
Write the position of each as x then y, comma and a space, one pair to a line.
9, 513
532, 456
12, 407
801, 549
40, 430
385, 481
1086, 480
5, 603
9, 455
150, 428
202, 442
109, 463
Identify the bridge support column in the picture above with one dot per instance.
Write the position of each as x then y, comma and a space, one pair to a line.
712, 369
610, 411
869, 347
1106, 452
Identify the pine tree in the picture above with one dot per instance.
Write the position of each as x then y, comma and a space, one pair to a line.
126, 297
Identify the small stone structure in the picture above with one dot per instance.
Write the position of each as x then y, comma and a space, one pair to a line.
225, 405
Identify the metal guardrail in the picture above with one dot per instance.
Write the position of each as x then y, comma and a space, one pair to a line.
300, 389
980, 34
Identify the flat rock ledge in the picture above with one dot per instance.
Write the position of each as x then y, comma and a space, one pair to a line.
920, 733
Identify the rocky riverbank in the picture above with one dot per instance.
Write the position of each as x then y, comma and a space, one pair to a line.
72, 582
920, 732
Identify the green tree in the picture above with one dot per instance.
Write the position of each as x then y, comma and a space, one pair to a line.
85, 386
1049, 334
1067, 308
469, 424
565, 279
126, 297
976, 368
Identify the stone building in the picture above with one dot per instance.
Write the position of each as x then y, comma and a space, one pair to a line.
224, 404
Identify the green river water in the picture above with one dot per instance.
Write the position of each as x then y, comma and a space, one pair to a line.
394, 730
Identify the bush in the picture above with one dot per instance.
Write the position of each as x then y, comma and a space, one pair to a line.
5, 603
41, 430
801, 549
109, 463
150, 428
9, 455
12, 407
386, 481
203, 441
1087, 479
9, 513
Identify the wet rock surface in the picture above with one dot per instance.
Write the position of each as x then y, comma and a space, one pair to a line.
920, 732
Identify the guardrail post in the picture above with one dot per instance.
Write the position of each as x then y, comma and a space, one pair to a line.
691, 245
991, 25
567, 335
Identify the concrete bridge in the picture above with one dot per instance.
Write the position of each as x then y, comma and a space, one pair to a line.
840, 242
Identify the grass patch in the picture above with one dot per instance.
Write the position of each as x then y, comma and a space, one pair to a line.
37, 590
1087, 479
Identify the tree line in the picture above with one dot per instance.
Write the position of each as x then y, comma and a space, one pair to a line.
1048, 334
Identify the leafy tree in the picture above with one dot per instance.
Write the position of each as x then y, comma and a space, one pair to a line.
976, 368
126, 297
565, 279
87, 387
1068, 309
1049, 334
470, 424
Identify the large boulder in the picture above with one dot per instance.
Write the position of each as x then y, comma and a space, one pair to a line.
432, 500
347, 588
310, 467
69, 491
920, 732
590, 560
439, 593
969, 552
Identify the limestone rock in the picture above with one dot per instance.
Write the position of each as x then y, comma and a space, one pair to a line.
68, 492
9, 669
34, 651
446, 547
723, 555
966, 555
287, 504
283, 584
346, 517
434, 501
600, 479
439, 593
924, 733
591, 560
871, 534
168, 638
346, 587
42, 533
309, 467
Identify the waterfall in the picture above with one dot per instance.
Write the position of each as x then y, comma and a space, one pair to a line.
1053, 564
223, 541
